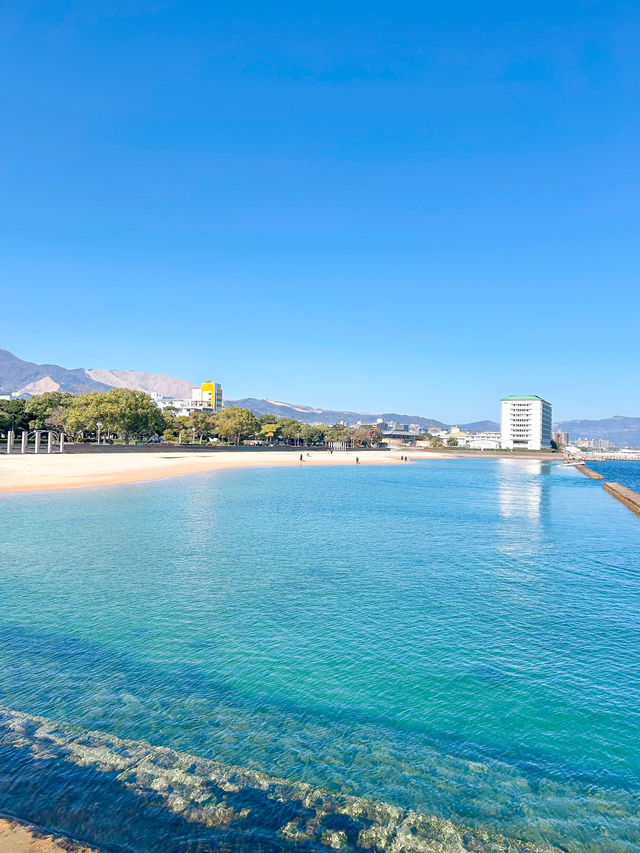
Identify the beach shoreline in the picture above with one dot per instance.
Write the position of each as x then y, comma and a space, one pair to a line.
44, 472
16, 836
78, 469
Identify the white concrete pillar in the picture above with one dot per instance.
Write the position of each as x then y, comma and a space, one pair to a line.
9, 441
61, 442
25, 438
38, 433
49, 442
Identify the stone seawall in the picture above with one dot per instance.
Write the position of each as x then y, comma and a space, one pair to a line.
625, 495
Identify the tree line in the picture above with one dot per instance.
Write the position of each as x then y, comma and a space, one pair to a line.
124, 414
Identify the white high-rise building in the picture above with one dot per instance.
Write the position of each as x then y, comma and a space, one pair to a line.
525, 423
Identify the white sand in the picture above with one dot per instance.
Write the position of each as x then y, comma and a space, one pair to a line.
67, 470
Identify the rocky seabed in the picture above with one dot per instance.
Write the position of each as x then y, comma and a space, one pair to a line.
128, 795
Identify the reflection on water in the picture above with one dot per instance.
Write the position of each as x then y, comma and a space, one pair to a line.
520, 496
520, 499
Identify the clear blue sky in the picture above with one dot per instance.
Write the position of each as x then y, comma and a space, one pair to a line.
416, 207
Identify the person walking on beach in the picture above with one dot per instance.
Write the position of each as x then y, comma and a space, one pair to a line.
301, 459
357, 460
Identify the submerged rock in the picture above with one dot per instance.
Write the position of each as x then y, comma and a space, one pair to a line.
132, 795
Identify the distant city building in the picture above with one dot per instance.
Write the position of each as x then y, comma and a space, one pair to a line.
472, 440
484, 441
525, 423
560, 438
206, 398
593, 443
397, 433
211, 393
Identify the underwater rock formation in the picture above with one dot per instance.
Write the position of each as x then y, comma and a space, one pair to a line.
128, 795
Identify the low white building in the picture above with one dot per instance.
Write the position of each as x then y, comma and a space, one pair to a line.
207, 398
525, 423
484, 441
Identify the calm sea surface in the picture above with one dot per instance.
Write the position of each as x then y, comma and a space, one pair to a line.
459, 637
627, 473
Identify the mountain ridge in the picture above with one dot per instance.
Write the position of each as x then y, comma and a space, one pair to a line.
26, 378
620, 430
308, 414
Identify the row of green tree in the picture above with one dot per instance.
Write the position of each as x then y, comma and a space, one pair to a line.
234, 425
124, 414
438, 441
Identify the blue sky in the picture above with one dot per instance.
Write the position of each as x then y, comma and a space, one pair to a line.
416, 207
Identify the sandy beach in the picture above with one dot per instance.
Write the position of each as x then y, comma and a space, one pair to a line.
73, 470
17, 837
32, 472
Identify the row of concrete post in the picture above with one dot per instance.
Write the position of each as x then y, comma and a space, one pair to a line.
24, 439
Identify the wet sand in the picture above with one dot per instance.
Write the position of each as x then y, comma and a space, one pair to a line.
17, 837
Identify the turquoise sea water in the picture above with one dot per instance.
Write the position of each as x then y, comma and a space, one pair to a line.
460, 637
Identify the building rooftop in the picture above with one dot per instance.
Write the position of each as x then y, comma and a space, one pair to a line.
524, 397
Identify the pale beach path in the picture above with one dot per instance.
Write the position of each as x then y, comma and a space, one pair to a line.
68, 470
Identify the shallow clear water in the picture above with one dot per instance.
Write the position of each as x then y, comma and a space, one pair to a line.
461, 637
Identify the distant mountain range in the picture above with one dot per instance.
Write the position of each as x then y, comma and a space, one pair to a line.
619, 430
309, 415
26, 378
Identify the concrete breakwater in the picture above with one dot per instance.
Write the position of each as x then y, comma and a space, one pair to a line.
588, 472
628, 497
129, 795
